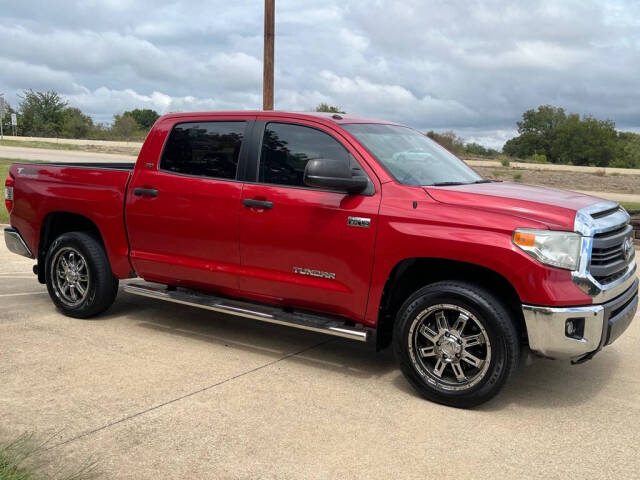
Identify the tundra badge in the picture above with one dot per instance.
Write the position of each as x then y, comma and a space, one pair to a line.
359, 222
314, 273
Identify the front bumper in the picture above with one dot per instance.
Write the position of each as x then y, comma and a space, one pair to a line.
15, 243
547, 326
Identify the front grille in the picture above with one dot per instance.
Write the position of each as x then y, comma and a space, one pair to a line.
608, 260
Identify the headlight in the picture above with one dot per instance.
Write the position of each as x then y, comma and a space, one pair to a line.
558, 249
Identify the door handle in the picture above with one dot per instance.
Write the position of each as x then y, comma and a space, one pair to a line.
251, 202
148, 192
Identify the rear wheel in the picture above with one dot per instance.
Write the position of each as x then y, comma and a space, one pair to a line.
79, 277
456, 343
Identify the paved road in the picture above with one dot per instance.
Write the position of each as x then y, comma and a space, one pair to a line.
616, 197
46, 155
74, 141
153, 390
555, 167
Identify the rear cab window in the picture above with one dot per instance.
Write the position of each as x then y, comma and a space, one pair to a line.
207, 149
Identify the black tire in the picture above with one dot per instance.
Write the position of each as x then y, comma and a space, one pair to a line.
482, 360
101, 287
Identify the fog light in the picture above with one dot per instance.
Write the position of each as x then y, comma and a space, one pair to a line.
574, 328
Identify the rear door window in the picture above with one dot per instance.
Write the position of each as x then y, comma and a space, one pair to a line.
207, 149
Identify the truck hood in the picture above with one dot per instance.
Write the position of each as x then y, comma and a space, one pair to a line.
552, 207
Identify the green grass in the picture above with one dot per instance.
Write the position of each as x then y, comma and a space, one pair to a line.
31, 144
631, 206
10, 464
21, 459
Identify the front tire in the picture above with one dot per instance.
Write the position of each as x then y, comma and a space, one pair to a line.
456, 343
79, 277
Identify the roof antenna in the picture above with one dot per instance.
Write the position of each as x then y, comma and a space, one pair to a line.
335, 116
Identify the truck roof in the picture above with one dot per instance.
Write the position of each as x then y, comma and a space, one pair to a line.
337, 118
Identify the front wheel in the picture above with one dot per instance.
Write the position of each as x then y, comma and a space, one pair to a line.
79, 278
456, 343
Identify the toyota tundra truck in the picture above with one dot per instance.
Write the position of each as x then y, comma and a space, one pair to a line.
357, 228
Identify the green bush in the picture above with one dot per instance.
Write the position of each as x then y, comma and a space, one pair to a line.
537, 158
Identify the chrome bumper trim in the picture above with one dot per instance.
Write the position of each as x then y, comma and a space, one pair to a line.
603, 293
546, 330
602, 325
15, 243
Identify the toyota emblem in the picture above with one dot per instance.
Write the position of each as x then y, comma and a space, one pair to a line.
628, 248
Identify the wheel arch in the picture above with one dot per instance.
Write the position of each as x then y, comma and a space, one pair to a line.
57, 223
411, 274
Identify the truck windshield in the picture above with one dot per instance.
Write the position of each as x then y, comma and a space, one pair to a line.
411, 157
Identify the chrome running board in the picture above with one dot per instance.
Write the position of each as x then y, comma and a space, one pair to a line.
255, 311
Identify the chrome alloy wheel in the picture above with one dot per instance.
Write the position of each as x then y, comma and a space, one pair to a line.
449, 347
70, 276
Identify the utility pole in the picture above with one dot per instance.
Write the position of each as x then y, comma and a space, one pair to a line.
267, 75
1, 115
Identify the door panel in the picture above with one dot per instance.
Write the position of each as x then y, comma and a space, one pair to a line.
301, 252
188, 233
182, 224
307, 229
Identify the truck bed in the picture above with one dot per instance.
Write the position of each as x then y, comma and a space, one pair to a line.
52, 192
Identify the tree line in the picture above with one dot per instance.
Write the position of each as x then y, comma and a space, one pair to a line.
457, 144
545, 134
549, 134
47, 114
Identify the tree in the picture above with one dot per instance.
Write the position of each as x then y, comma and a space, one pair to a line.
628, 150
76, 124
537, 129
586, 141
124, 126
448, 140
324, 107
42, 113
145, 118
474, 148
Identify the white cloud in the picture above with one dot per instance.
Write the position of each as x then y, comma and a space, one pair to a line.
103, 102
469, 66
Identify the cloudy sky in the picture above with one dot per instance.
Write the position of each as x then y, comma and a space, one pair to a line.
469, 66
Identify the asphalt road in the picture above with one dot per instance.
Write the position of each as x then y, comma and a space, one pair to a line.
155, 390
51, 155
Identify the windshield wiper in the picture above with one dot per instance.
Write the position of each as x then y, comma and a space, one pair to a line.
449, 184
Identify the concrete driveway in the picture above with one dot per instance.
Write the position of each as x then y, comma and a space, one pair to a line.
154, 390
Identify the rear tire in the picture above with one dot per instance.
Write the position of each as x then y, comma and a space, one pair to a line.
456, 343
79, 277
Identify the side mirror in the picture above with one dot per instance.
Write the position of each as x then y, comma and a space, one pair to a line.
334, 175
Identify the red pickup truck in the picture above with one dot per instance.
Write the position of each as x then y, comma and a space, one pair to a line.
357, 228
